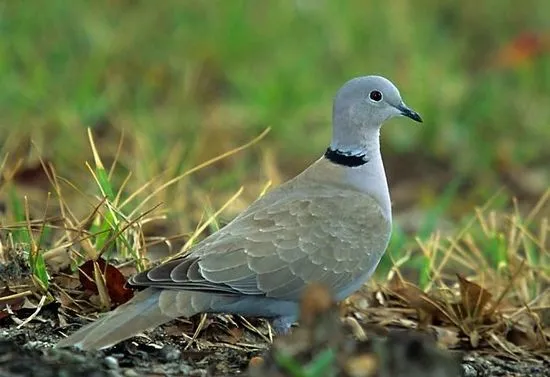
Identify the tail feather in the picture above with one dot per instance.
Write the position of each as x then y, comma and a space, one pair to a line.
141, 313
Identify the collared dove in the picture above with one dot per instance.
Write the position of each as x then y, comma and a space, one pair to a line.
330, 224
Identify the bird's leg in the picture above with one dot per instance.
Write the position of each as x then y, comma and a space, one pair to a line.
282, 325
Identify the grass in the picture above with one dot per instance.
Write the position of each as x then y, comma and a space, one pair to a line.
136, 112
184, 82
212, 74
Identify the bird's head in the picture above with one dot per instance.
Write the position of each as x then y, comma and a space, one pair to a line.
362, 105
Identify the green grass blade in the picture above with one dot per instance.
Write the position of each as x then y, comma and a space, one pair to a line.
104, 183
321, 365
39, 270
288, 363
20, 235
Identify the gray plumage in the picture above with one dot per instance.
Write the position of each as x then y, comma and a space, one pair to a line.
331, 224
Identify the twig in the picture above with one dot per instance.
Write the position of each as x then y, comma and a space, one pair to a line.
16, 295
202, 322
30, 318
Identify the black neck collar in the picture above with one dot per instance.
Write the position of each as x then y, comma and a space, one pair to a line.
345, 159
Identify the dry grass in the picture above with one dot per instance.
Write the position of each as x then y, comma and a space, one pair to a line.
114, 226
488, 289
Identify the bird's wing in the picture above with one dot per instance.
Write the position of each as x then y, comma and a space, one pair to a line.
277, 247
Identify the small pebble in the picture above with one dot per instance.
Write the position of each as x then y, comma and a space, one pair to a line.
362, 304
158, 370
469, 371
170, 353
186, 369
130, 373
111, 362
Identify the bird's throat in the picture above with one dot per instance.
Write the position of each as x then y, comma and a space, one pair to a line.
345, 158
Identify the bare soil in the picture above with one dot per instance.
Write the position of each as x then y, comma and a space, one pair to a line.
224, 348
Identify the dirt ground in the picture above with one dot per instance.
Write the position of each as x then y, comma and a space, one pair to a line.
28, 351
225, 348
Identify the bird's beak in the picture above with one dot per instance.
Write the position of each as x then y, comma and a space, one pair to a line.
408, 112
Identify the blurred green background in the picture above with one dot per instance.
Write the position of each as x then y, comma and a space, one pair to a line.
188, 80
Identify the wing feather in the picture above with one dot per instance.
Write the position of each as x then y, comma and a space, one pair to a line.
278, 246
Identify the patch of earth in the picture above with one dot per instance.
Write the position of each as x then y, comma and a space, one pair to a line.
29, 351
221, 345
225, 347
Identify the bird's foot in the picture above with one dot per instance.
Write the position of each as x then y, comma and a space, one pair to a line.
282, 325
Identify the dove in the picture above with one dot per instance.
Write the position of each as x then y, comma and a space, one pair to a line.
329, 225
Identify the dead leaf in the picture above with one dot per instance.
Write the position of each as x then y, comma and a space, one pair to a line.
473, 297
114, 280
428, 308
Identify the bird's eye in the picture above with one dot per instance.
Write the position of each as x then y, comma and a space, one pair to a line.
375, 95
